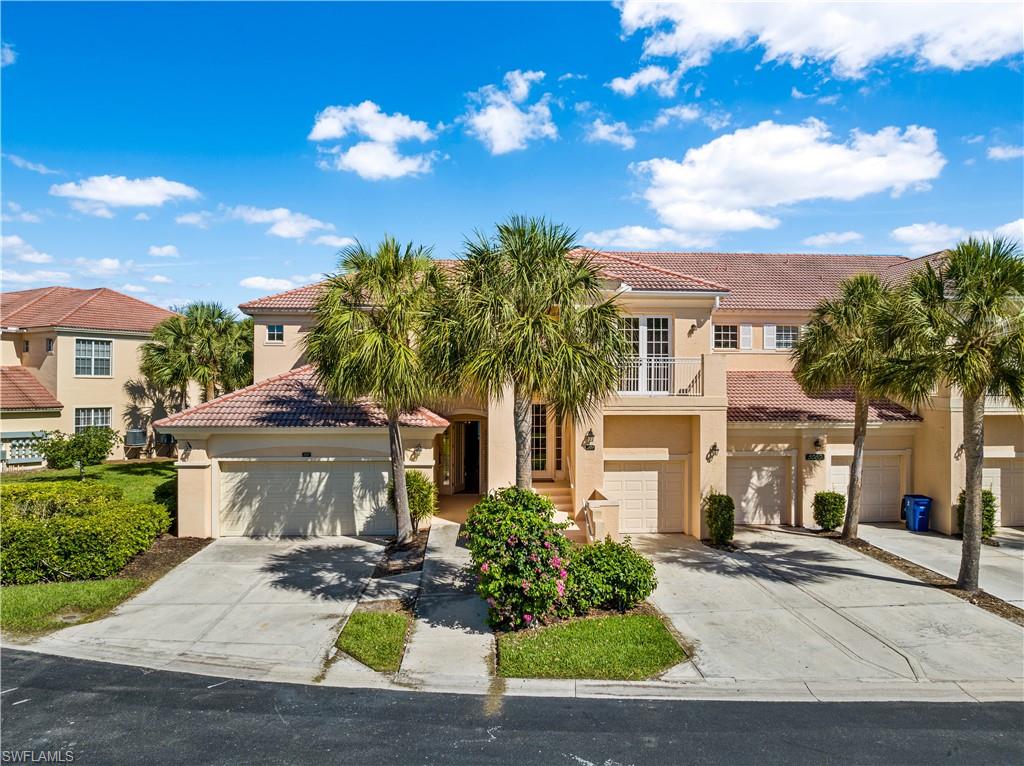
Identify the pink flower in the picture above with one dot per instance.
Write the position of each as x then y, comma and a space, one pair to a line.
563, 574
526, 585
527, 618
556, 562
547, 545
490, 602
485, 567
561, 588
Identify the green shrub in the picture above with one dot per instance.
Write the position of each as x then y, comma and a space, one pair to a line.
608, 575
422, 497
166, 493
72, 531
90, 446
829, 510
720, 513
520, 556
988, 512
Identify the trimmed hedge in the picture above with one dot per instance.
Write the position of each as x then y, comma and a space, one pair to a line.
720, 512
608, 575
422, 497
988, 512
72, 531
829, 510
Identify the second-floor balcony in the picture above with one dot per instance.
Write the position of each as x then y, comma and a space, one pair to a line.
662, 376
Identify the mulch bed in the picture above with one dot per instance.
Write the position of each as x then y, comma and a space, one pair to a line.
166, 553
980, 598
399, 559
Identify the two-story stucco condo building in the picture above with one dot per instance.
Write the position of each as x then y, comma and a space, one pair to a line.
709, 404
66, 355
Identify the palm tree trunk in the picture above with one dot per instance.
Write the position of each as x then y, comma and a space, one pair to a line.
398, 478
522, 409
853, 492
210, 391
974, 457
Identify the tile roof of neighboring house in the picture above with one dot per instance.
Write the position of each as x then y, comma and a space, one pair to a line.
21, 390
771, 397
290, 400
772, 281
97, 309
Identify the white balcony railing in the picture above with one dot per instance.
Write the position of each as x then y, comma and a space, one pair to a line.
662, 376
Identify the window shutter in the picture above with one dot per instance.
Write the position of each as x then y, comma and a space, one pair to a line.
769, 337
746, 336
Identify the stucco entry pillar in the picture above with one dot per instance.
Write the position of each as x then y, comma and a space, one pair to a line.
710, 431
195, 501
588, 464
501, 442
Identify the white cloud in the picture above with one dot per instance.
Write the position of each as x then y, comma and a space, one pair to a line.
22, 250
655, 77
830, 238
828, 100
285, 223
164, 251
976, 139
797, 94
730, 183
130, 288
378, 156
21, 277
96, 195
1013, 230
502, 120
275, 283
7, 55
643, 238
141, 217
103, 267
925, 238
848, 37
20, 215
571, 76
1005, 152
35, 167
613, 133
159, 279
681, 113
200, 219
332, 240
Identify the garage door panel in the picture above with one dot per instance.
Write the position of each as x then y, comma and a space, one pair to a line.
649, 493
759, 486
279, 499
880, 485
1005, 478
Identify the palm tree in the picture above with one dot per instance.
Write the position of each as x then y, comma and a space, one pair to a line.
841, 347
204, 344
366, 340
961, 322
532, 318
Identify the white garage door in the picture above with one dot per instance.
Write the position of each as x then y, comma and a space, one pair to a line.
880, 485
1005, 477
293, 499
759, 486
650, 495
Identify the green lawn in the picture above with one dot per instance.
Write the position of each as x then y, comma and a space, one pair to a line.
621, 647
376, 639
35, 608
136, 478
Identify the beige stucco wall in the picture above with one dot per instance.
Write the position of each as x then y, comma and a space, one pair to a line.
757, 357
271, 359
8, 350
691, 319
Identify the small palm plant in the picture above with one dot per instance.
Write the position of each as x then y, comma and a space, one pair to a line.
842, 347
366, 344
532, 319
961, 323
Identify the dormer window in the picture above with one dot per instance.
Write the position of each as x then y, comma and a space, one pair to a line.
275, 333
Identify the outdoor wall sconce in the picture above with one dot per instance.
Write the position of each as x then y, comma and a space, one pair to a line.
712, 453
588, 441
959, 452
819, 443
416, 452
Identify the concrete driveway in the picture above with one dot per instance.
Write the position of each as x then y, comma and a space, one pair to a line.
239, 605
793, 606
1002, 568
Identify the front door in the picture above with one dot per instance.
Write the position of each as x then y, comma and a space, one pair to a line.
541, 444
471, 456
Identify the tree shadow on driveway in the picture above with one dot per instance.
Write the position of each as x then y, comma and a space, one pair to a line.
326, 572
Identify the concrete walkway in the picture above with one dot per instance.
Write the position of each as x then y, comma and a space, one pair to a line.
264, 609
797, 607
1002, 568
451, 645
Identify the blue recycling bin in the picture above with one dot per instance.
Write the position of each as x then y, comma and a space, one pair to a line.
917, 509
908, 501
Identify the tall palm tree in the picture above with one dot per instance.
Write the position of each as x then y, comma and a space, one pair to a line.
204, 344
366, 340
841, 346
532, 318
961, 322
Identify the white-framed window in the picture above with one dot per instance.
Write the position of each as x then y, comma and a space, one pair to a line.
49, 345
91, 417
786, 335
275, 333
727, 336
92, 357
650, 345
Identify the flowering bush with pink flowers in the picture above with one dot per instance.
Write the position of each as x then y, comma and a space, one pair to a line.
520, 556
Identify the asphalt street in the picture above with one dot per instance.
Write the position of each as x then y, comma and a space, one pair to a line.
103, 713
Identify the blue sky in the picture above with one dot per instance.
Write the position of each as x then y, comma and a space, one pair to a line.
225, 151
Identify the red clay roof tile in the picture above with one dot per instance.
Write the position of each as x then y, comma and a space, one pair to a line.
21, 390
97, 309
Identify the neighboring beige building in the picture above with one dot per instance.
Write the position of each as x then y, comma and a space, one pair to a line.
66, 355
710, 404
